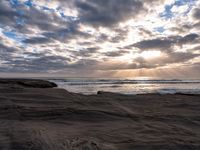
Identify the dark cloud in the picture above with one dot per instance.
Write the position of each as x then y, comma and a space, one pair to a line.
71, 31
45, 21
165, 43
196, 13
188, 38
86, 52
8, 15
115, 53
35, 63
37, 40
107, 13
62, 34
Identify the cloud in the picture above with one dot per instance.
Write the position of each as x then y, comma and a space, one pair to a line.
67, 33
163, 61
35, 63
77, 36
37, 40
188, 38
87, 52
6, 49
116, 53
7, 14
107, 13
165, 43
196, 13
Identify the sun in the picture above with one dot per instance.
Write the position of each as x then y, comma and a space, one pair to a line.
150, 54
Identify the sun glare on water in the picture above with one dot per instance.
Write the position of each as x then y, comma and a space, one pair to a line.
150, 54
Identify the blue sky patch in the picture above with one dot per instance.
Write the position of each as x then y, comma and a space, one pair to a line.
13, 35
14, 2
28, 3
168, 14
159, 29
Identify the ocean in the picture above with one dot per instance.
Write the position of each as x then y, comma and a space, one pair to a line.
128, 86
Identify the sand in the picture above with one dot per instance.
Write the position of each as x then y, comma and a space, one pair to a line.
36, 116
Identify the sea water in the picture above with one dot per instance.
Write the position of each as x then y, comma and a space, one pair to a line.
128, 86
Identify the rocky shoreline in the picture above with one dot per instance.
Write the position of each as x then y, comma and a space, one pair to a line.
36, 116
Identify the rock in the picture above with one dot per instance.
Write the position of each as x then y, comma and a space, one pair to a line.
33, 83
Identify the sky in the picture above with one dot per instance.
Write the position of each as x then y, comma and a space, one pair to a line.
100, 38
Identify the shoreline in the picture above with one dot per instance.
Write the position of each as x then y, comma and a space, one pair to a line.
53, 84
35, 115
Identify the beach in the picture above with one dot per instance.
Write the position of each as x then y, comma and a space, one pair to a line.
36, 115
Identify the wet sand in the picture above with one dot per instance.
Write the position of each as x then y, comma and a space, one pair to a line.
36, 116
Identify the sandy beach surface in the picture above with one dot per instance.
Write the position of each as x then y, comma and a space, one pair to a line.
36, 116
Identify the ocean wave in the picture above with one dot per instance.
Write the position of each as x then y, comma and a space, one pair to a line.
176, 91
130, 86
99, 82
